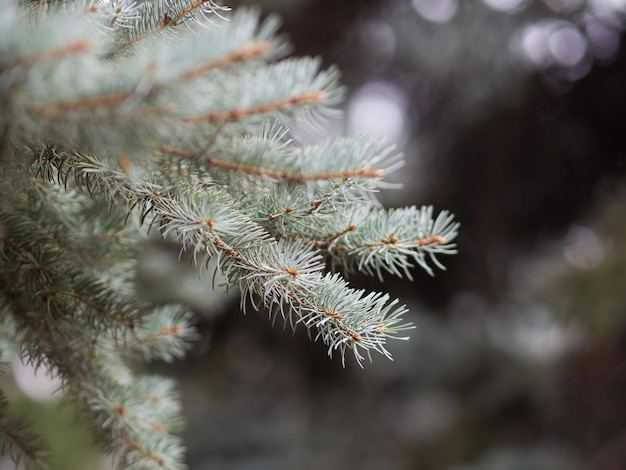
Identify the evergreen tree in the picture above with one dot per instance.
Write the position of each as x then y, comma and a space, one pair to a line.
123, 117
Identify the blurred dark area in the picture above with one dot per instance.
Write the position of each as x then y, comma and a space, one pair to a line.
511, 114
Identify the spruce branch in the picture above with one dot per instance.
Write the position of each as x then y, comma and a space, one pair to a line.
18, 441
394, 240
287, 276
97, 381
161, 16
71, 321
94, 105
258, 155
165, 335
120, 118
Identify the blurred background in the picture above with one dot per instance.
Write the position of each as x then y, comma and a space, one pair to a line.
511, 114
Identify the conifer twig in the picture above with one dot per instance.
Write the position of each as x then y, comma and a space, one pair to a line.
116, 122
291, 176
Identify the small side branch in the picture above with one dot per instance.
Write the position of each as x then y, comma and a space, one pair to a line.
323, 245
20, 443
169, 19
389, 243
249, 52
239, 114
281, 274
134, 445
84, 116
78, 46
290, 176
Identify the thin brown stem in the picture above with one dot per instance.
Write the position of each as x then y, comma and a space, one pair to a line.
247, 53
134, 445
329, 241
292, 176
168, 21
238, 114
78, 46
55, 114
295, 298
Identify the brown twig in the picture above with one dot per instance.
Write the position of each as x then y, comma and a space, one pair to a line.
292, 176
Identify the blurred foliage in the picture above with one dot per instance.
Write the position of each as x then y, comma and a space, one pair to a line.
584, 282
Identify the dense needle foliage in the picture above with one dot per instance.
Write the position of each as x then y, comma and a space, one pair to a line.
120, 118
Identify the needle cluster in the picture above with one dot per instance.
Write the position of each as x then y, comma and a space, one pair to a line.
120, 117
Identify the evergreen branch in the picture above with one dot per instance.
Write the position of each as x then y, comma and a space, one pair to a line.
312, 213
57, 37
96, 113
166, 335
290, 176
56, 298
72, 47
16, 437
58, 115
386, 240
160, 15
56, 109
241, 40
245, 54
351, 320
330, 240
357, 236
97, 306
244, 40
138, 456
139, 414
289, 274
279, 89
50, 349
118, 14
344, 318
326, 170
101, 245
95, 86
19, 442
130, 420
239, 114
280, 273
48, 275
